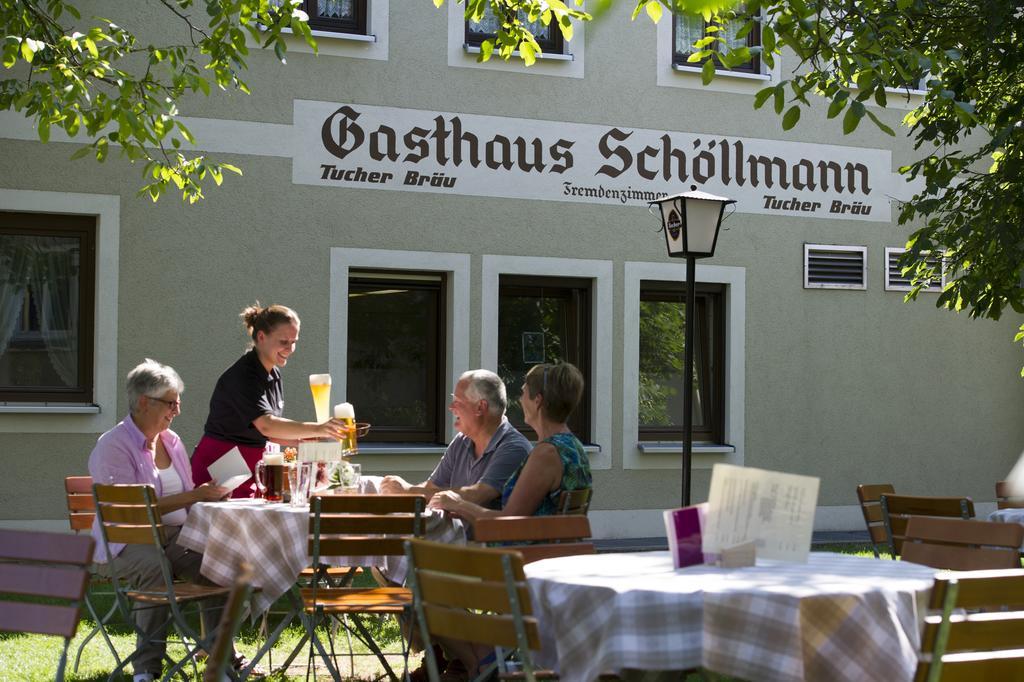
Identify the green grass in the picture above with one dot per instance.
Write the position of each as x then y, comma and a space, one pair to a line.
32, 658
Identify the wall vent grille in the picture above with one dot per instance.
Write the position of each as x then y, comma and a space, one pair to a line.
895, 280
829, 266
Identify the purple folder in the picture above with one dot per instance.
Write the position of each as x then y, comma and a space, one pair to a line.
683, 529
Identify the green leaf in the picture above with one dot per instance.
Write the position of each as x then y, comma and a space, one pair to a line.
654, 11
837, 104
880, 99
707, 72
44, 129
762, 96
791, 117
852, 118
881, 126
27, 53
780, 98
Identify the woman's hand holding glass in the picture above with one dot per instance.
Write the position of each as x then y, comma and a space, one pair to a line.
332, 428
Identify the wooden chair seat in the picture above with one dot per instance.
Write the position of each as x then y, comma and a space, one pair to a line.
381, 600
183, 593
897, 510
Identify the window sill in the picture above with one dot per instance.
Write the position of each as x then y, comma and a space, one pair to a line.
48, 408
676, 448
723, 73
337, 35
474, 49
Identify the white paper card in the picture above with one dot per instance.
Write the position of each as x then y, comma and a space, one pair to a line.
230, 470
319, 452
772, 509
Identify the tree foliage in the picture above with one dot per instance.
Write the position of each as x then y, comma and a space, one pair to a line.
857, 55
93, 77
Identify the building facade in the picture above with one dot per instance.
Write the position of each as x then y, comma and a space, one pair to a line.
426, 214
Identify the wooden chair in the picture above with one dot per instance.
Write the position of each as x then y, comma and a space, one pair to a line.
870, 497
537, 537
975, 629
960, 545
48, 573
219, 661
1005, 499
575, 502
473, 594
355, 526
128, 515
81, 512
897, 510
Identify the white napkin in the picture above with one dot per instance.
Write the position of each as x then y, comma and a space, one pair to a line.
230, 470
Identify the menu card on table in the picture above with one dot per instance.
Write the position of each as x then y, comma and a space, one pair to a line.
772, 509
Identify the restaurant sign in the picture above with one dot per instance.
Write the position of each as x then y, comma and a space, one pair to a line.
362, 146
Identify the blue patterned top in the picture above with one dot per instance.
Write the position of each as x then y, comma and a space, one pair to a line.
575, 472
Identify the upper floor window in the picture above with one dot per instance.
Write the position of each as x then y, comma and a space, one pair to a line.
688, 29
335, 16
47, 294
396, 344
663, 320
543, 319
548, 37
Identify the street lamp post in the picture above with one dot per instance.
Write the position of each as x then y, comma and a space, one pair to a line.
690, 221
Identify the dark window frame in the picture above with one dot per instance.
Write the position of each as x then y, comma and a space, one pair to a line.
753, 40
85, 229
580, 295
437, 340
553, 44
711, 340
356, 26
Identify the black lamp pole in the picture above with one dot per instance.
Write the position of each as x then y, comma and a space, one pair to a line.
690, 221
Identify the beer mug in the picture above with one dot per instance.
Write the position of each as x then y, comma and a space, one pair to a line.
271, 480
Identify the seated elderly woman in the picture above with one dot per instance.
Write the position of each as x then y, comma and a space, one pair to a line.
143, 449
558, 461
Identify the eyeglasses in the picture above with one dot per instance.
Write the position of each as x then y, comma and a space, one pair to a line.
173, 404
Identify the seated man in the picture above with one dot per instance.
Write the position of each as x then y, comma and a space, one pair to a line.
486, 451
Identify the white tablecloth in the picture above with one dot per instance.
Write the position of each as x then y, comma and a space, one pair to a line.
1012, 515
838, 617
274, 538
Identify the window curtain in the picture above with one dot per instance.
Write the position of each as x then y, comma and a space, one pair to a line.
14, 263
54, 281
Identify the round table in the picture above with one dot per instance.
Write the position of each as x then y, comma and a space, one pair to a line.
837, 617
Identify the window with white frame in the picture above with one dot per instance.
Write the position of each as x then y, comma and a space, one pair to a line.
47, 294
688, 29
335, 16
663, 320
396, 341
548, 37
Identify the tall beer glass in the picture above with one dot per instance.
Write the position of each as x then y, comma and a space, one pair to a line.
347, 414
320, 387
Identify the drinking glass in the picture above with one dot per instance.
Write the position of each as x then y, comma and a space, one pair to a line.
355, 478
299, 477
320, 387
271, 477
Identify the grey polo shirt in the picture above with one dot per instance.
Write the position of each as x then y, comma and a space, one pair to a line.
458, 467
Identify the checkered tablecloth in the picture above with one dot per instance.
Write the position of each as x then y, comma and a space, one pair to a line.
273, 538
838, 617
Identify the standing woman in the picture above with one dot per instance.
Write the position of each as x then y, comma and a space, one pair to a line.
248, 400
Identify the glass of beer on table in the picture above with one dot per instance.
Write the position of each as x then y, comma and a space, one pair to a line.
270, 474
320, 387
347, 414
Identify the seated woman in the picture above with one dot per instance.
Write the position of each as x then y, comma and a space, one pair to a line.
143, 449
558, 461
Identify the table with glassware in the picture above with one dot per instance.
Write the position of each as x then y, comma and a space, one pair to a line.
837, 617
274, 538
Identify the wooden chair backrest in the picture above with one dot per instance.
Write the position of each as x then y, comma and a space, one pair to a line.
363, 525
128, 514
1005, 499
537, 537
465, 594
230, 620
575, 502
81, 506
870, 497
960, 545
897, 510
49, 573
975, 628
